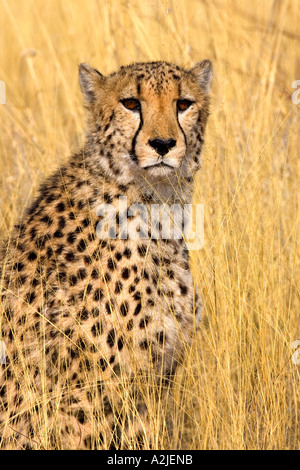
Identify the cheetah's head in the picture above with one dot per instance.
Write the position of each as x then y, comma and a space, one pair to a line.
149, 118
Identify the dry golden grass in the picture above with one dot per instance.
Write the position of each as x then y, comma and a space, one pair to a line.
238, 388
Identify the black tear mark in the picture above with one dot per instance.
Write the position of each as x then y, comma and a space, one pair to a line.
132, 152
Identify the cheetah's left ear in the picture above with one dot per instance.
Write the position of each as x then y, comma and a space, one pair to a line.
89, 80
204, 74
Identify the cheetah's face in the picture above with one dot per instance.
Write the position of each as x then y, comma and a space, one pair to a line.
154, 114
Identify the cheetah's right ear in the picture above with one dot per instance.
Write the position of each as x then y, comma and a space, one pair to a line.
204, 74
89, 80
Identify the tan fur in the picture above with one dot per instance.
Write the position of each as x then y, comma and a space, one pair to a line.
83, 318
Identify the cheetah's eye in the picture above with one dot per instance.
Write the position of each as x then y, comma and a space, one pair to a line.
183, 105
132, 104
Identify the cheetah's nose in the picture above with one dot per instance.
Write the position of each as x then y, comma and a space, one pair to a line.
162, 146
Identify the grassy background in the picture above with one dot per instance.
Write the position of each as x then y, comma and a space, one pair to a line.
239, 387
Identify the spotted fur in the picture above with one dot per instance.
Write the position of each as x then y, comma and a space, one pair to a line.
81, 316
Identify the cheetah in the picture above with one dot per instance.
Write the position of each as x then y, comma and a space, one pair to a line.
89, 320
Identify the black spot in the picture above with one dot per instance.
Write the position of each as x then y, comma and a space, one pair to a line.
111, 264
98, 294
96, 254
18, 267
81, 294
89, 288
61, 223
49, 252
32, 256
125, 273
50, 198
70, 256
108, 307
41, 241
32, 233
34, 206
145, 274
103, 364
111, 338
95, 312
68, 332
129, 325
81, 273
30, 297
108, 198
185, 264
58, 234
183, 289
47, 220
81, 205
118, 287
54, 357
81, 344
81, 246
84, 314
107, 406
137, 296
86, 222
156, 260
88, 441
8, 313
59, 249
60, 207
142, 250
118, 256
22, 320
100, 387
112, 359
137, 309
88, 260
120, 343
127, 253
170, 274
145, 344
97, 329
81, 417
161, 337
95, 274
144, 322
124, 309
117, 369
